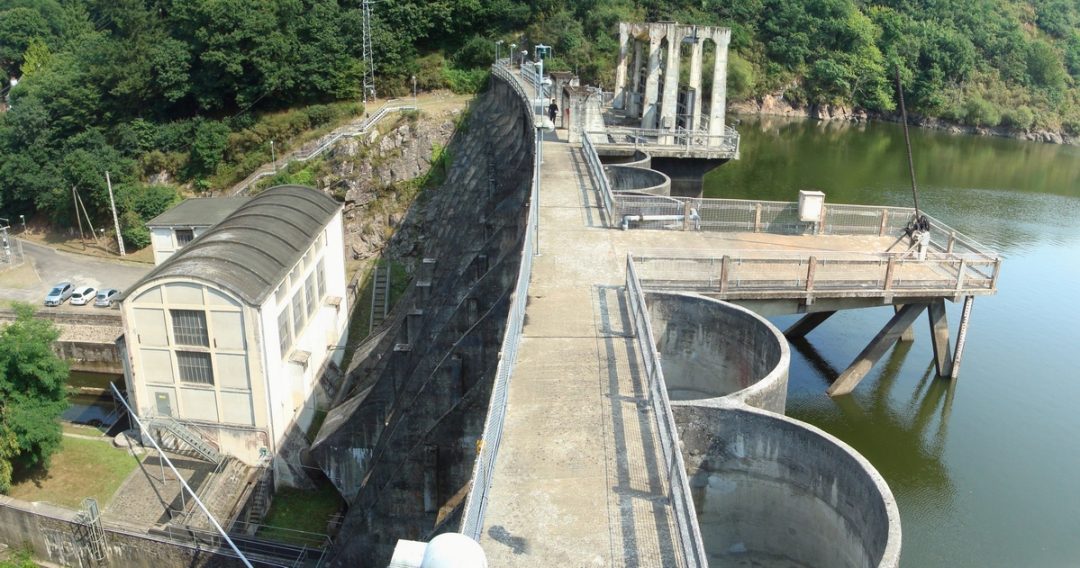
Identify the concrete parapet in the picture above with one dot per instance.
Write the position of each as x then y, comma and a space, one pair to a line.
630, 157
772, 491
638, 180
714, 352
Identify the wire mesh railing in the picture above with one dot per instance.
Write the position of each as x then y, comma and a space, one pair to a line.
677, 138
690, 541
758, 274
596, 170
472, 521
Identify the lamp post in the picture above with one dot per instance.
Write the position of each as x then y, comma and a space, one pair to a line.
540, 51
513, 46
273, 156
23, 219
497, 44
414, 90
524, 54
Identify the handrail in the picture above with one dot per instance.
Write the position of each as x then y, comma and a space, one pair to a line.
693, 546
596, 169
472, 517
267, 170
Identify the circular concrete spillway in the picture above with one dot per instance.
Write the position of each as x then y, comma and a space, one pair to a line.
774, 492
638, 180
710, 350
636, 158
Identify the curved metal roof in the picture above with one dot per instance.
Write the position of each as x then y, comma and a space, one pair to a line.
250, 251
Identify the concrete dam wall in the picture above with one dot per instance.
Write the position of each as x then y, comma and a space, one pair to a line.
401, 445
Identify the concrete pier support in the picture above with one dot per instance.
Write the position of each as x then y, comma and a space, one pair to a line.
909, 333
718, 104
669, 106
695, 84
620, 70
806, 324
890, 334
633, 105
649, 115
939, 335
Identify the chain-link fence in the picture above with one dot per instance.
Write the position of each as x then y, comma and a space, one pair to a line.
682, 503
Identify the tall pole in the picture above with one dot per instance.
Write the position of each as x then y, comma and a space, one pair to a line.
116, 220
78, 217
907, 142
273, 156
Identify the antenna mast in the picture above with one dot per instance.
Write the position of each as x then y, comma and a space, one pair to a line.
369, 64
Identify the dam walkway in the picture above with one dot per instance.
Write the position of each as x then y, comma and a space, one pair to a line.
585, 473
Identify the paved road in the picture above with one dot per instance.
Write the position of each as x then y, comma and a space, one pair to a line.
52, 266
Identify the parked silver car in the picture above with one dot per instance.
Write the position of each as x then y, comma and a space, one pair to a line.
82, 295
105, 297
59, 293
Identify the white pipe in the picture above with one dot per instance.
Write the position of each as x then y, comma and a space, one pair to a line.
642, 218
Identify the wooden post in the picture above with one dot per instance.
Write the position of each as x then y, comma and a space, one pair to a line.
811, 267
75, 200
757, 218
961, 336
884, 222
939, 336
849, 379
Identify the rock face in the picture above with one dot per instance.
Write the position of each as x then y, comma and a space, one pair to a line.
369, 173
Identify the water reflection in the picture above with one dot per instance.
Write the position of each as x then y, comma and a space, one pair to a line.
907, 441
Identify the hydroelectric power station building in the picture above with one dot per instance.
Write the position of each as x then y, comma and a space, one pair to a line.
227, 338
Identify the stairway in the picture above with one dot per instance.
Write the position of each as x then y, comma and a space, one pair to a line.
380, 295
260, 504
185, 435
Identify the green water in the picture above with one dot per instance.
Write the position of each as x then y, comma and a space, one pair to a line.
985, 470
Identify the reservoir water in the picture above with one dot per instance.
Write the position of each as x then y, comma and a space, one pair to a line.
986, 469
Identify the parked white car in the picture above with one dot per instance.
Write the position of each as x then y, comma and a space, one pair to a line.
82, 295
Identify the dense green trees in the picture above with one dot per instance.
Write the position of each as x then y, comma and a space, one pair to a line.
191, 88
32, 393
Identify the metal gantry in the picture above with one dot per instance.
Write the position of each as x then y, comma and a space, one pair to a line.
369, 63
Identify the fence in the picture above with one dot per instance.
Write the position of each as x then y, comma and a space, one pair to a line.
272, 168
776, 274
693, 547
472, 521
688, 140
596, 170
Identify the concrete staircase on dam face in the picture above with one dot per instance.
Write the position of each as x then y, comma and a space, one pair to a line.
419, 423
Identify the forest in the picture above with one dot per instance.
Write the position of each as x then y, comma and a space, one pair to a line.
179, 97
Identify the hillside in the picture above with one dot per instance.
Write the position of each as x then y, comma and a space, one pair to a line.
192, 94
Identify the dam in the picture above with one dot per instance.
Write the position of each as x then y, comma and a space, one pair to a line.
635, 410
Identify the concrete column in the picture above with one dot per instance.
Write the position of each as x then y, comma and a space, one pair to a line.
718, 104
669, 108
620, 70
806, 324
649, 116
939, 336
909, 333
886, 338
695, 83
634, 104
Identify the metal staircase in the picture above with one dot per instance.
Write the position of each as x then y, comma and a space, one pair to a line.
380, 295
187, 436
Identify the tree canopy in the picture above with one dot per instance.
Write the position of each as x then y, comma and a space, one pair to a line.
32, 393
141, 87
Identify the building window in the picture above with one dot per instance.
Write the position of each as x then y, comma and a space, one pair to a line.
184, 236
296, 276
189, 327
284, 335
195, 367
309, 292
298, 315
281, 294
321, 277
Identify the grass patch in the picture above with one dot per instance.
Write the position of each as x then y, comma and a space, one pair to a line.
80, 429
21, 277
80, 469
298, 510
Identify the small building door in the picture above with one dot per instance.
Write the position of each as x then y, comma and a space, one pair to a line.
164, 404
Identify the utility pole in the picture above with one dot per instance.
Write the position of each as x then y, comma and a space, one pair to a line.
273, 156
116, 220
78, 217
369, 63
497, 44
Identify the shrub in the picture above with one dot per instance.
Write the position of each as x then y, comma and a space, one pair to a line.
133, 230
463, 81
980, 112
1021, 118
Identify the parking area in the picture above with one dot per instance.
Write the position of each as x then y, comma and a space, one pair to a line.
46, 267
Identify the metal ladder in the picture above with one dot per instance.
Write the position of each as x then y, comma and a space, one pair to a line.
380, 296
185, 435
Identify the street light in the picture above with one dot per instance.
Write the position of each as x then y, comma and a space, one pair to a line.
513, 46
23, 219
497, 44
414, 90
273, 156
524, 54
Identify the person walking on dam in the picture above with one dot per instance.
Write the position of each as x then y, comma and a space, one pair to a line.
553, 111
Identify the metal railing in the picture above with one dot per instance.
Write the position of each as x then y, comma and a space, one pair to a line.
596, 169
472, 519
272, 168
688, 140
758, 274
679, 496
